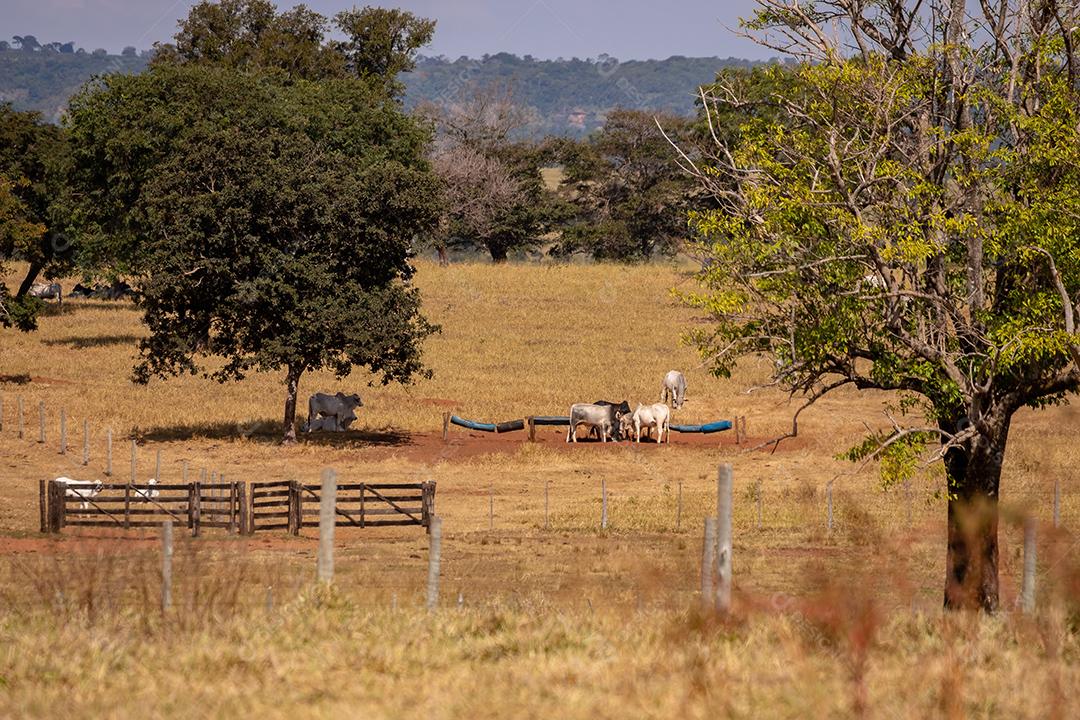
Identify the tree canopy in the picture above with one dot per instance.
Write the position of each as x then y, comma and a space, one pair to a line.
910, 223
267, 224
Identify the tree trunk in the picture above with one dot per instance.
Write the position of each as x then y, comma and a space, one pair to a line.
28, 282
971, 563
292, 386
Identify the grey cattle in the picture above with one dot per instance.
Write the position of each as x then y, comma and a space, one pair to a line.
673, 387
48, 291
603, 417
621, 409
340, 407
647, 417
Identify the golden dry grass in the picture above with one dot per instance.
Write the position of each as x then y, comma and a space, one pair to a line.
516, 340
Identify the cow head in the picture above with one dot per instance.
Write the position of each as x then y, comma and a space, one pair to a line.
354, 400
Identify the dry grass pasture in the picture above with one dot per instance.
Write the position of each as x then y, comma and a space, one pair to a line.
570, 621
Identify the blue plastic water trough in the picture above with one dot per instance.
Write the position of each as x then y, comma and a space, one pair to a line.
503, 427
706, 428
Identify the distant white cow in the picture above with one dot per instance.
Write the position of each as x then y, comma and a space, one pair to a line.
602, 417
649, 416
673, 387
47, 291
341, 408
84, 490
148, 493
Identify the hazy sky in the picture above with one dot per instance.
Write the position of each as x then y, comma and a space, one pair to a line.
627, 29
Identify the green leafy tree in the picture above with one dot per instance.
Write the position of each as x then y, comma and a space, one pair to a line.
631, 199
17, 229
31, 152
910, 225
267, 225
379, 43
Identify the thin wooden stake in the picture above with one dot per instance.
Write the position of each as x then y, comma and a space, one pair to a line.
708, 560
157, 466
63, 432
166, 565
491, 508
43, 506
445, 427
1027, 592
134, 461
724, 492
327, 506
108, 452
41, 421
85, 442
678, 509
603, 504
434, 561
21, 419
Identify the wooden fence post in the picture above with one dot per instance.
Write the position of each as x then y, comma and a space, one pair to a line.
708, 560
85, 442
1057, 502
242, 507
195, 508
434, 562
1027, 592
678, 509
41, 421
491, 508
108, 452
57, 507
327, 518
20, 418
299, 507
134, 461
724, 488
127, 506
157, 466
43, 506
603, 504
166, 565
445, 427
63, 432
532, 428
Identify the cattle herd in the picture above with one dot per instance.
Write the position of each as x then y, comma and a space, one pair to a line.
118, 290
615, 421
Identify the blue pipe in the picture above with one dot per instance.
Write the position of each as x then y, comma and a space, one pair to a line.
706, 428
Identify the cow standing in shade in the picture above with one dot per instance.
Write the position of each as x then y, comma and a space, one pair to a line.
332, 412
673, 388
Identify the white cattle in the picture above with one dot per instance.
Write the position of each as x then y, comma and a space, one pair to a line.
673, 387
650, 416
602, 417
148, 493
84, 490
47, 291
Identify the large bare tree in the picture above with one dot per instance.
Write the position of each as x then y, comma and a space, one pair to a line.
909, 222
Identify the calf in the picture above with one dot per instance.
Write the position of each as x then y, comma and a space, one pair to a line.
673, 387
324, 424
649, 416
591, 415
84, 490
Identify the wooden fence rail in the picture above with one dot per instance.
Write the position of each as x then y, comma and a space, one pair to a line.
232, 506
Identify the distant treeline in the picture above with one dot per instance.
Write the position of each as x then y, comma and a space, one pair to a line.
564, 97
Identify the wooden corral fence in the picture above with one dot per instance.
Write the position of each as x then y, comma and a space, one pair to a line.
126, 505
280, 505
292, 506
